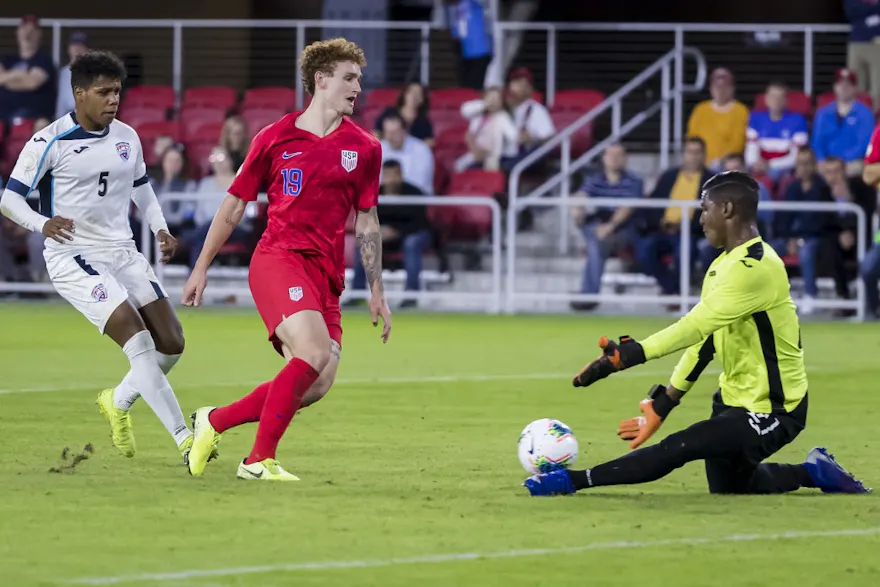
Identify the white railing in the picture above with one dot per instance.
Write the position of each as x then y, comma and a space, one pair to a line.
614, 102
684, 299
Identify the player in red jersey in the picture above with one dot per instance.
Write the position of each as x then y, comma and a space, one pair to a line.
871, 170
316, 165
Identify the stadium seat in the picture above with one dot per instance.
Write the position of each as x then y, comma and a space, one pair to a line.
449, 145
23, 130
443, 120
198, 152
452, 98
192, 119
579, 100
258, 118
136, 116
219, 97
150, 131
380, 97
468, 222
154, 96
798, 102
11, 148
582, 139
274, 97
368, 114
828, 98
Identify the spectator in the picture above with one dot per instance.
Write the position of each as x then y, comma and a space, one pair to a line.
234, 138
491, 134
810, 234
160, 146
415, 157
722, 121
213, 190
605, 229
775, 135
843, 128
412, 106
532, 119
660, 229
736, 162
467, 22
77, 44
27, 84
171, 178
404, 228
863, 54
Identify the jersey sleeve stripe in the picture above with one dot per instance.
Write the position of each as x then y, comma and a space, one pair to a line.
46, 152
47, 194
141, 181
706, 354
17, 187
768, 347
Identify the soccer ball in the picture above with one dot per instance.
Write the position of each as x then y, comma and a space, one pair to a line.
546, 445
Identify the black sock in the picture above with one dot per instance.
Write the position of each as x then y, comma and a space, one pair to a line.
580, 479
803, 476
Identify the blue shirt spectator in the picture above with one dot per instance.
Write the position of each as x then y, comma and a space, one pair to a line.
599, 185
468, 24
843, 128
864, 18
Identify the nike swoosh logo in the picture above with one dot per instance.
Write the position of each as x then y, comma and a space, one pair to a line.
254, 475
286, 155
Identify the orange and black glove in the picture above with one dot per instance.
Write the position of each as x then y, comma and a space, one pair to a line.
654, 410
615, 357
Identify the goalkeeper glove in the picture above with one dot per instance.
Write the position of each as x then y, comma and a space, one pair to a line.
614, 357
654, 410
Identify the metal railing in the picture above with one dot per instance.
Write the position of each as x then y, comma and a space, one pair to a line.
614, 102
683, 299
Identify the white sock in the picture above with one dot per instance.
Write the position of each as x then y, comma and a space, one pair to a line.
124, 395
148, 380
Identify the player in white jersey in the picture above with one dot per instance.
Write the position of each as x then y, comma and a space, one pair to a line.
88, 167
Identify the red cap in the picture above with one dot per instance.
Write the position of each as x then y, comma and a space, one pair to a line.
521, 72
846, 75
30, 19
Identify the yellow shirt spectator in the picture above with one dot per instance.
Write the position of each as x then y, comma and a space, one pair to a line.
686, 187
722, 127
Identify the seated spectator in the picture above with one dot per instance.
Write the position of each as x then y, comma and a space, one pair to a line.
843, 128
235, 139
605, 230
491, 134
736, 162
412, 105
811, 234
415, 157
660, 229
27, 78
213, 190
775, 135
404, 228
722, 121
77, 44
14, 238
171, 177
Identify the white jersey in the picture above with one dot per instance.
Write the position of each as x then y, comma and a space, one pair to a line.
87, 177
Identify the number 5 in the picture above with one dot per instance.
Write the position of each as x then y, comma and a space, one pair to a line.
102, 183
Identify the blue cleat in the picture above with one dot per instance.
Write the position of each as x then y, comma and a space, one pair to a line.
829, 476
553, 483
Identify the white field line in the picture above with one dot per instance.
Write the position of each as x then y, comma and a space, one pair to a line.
468, 556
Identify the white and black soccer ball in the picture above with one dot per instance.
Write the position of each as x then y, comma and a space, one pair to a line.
546, 445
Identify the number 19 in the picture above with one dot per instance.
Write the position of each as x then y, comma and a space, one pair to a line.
292, 181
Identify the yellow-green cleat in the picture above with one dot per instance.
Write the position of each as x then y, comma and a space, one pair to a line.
184, 448
265, 470
204, 441
120, 423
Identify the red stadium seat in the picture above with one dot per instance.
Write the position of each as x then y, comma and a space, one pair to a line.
579, 100
477, 183
582, 140
9, 151
259, 118
137, 116
798, 102
219, 97
154, 96
192, 119
380, 97
23, 130
449, 145
275, 97
828, 98
150, 131
468, 222
198, 152
442, 120
453, 98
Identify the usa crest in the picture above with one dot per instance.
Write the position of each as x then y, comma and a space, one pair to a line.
349, 160
296, 293
99, 293
124, 149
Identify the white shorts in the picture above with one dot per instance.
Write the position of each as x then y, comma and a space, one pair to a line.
96, 280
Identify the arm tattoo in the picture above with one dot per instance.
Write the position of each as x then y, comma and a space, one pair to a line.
369, 240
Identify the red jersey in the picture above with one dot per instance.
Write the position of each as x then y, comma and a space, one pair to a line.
873, 153
312, 183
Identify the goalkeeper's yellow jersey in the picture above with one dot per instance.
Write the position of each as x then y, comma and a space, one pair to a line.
747, 317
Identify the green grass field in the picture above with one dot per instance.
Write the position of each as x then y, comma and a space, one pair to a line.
409, 468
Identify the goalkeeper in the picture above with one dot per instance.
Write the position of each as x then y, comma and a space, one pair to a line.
746, 316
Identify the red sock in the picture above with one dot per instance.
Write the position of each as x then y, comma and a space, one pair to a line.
245, 410
282, 402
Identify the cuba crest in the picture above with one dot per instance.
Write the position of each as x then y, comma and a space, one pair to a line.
296, 293
99, 293
124, 150
349, 160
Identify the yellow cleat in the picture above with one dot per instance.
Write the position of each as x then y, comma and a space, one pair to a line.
204, 442
120, 423
184, 448
265, 470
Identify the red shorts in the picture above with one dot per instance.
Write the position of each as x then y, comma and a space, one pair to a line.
284, 283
